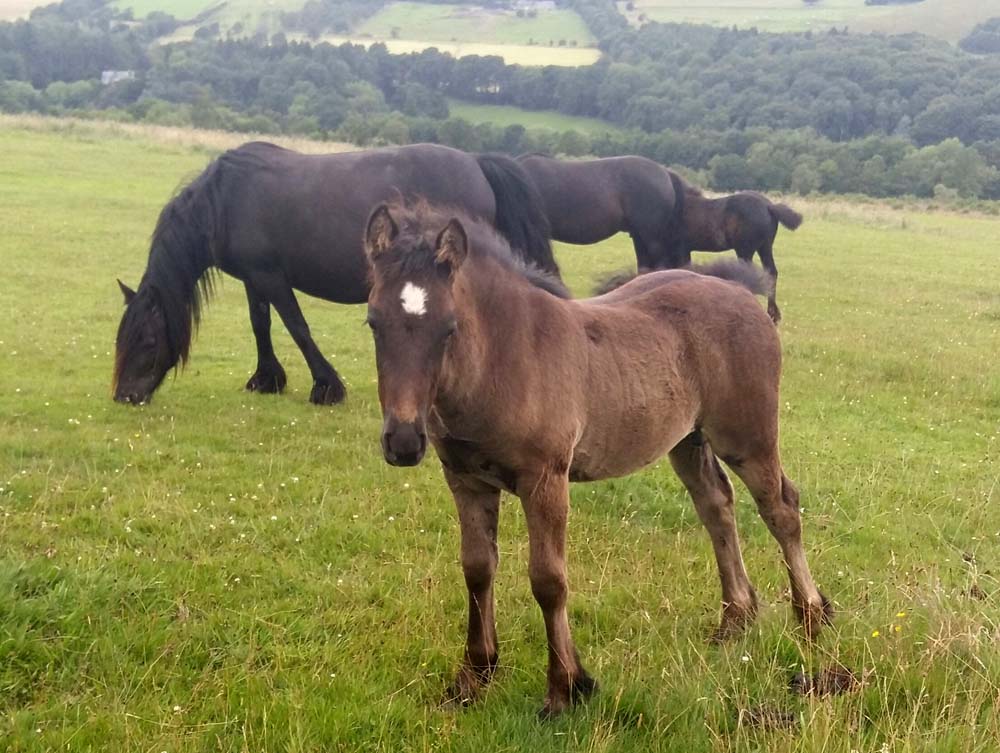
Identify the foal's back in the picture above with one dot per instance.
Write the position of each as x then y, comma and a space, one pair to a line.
670, 353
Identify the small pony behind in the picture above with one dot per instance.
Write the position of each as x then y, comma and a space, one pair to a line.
522, 390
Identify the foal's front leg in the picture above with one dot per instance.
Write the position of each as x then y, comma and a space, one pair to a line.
478, 513
546, 504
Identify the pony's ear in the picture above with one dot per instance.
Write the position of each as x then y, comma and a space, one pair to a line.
127, 292
452, 245
380, 232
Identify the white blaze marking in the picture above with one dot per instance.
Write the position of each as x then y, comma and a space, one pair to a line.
413, 299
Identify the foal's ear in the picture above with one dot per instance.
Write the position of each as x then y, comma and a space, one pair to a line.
126, 291
452, 245
381, 231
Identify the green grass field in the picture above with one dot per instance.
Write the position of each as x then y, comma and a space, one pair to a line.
254, 15
220, 571
948, 19
504, 115
472, 23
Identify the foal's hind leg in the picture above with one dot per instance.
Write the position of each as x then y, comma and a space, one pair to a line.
478, 513
269, 377
709, 486
778, 503
766, 253
327, 387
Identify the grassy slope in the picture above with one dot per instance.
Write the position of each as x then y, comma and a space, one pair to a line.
503, 115
223, 571
948, 19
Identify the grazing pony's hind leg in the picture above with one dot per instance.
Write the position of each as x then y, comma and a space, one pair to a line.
269, 377
778, 503
766, 253
709, 486
478, 513
327, 387
643, 258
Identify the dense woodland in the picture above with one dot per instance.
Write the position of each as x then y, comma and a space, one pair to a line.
834, 112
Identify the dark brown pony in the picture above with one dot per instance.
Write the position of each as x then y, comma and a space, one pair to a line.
746, 221
591, 200
524, 391
281, 221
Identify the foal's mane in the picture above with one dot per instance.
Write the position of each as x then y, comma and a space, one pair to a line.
179, 277
426, 220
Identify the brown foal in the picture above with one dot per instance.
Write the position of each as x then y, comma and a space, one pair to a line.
521, 390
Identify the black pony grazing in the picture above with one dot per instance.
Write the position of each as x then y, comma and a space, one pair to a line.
590, 200
277, 220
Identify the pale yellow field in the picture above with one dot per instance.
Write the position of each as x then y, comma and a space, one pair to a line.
167, 135
513, 54
12, 9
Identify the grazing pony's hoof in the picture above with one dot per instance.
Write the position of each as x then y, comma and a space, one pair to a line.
814, 616
329, 391
269, 380
580, 690
774, 312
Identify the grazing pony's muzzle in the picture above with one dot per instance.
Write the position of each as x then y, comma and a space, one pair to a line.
131, 398
403, 442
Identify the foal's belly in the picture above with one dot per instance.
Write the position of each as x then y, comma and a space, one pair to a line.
625, 448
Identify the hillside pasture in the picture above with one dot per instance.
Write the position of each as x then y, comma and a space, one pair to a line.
252, 15
947, 19
505, 115
474, 23
220, 571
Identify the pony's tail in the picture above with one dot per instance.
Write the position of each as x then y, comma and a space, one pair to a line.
785, 215
743, 273
520, 218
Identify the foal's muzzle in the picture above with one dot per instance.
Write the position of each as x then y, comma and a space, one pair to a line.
403, 443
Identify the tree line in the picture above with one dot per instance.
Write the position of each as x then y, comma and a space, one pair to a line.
829, 112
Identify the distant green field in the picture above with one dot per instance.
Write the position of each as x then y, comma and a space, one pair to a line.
252, 14
471, 23
222, 572
502, 115
948, 19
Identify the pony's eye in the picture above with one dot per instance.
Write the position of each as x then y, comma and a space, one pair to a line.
372, 324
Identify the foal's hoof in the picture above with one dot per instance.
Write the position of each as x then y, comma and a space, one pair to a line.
468, 686
736, 618
774, 312
328, 393
813, 617
582, 688
268, 381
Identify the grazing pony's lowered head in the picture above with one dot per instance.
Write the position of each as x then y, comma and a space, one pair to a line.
143, 354
411, 312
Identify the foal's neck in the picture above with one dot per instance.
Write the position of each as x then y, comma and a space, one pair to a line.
496, 308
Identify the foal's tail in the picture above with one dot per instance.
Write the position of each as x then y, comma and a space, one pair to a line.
743, 273
520, 218
785, 215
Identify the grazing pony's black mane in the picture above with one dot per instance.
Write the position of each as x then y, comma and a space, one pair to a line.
179, 276
425, 221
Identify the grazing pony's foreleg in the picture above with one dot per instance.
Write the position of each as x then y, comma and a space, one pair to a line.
709, 486
778, 503
269, 377
644, 261
546, 505
327, 387
478, 513
766, 253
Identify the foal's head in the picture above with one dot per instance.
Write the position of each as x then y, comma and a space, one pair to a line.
143, 354
411, 312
